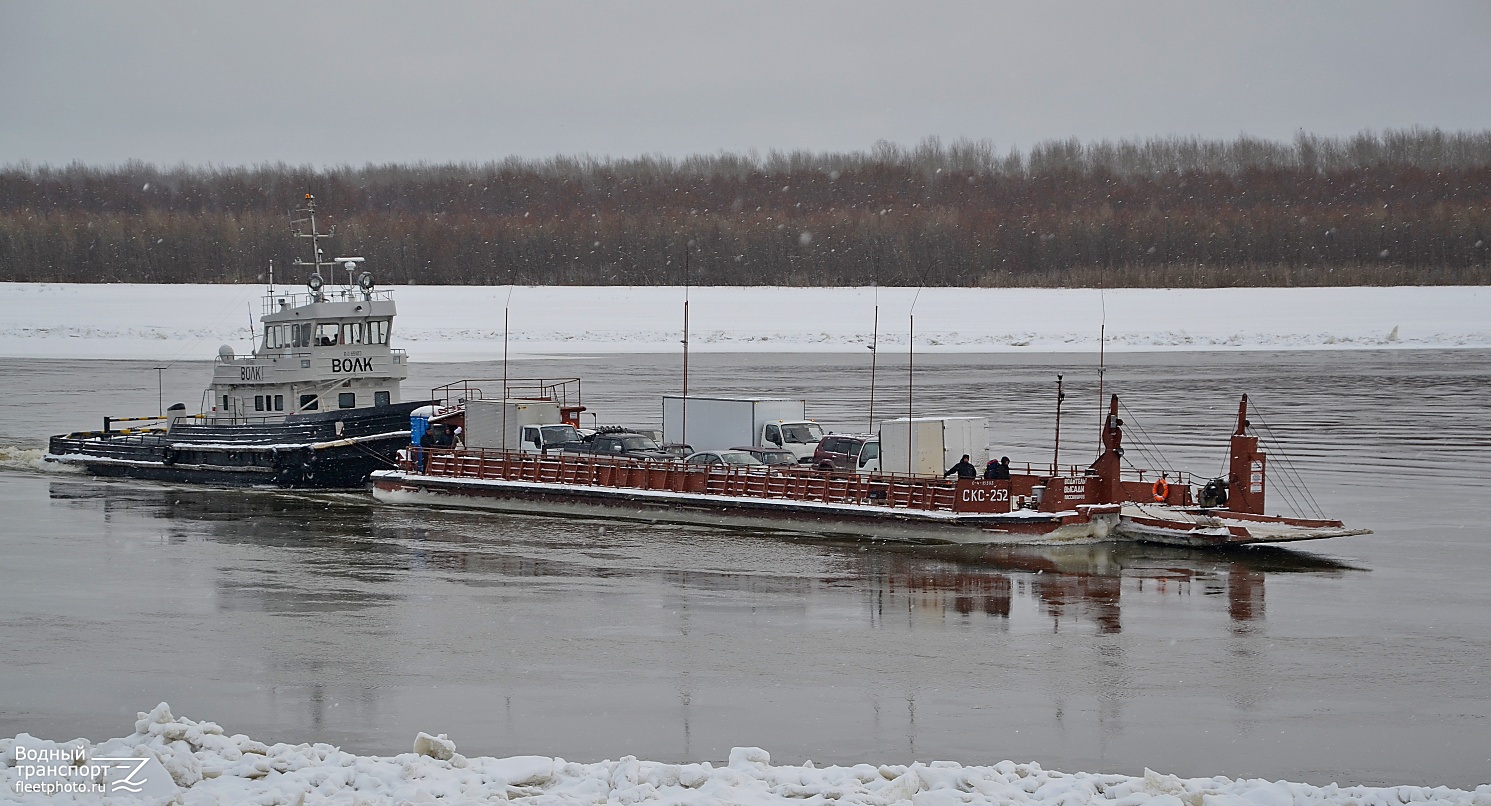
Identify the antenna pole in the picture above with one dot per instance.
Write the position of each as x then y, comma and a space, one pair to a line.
1056, 454
1102, 358
505, 310
160, 394
874, 355
910, 377
1102, 367
683, 431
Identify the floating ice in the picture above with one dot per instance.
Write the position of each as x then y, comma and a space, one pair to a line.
464, 323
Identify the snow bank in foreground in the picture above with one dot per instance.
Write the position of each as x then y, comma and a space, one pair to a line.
464, 323
195, 762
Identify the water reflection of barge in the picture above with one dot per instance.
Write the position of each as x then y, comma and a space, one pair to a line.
1069, 584
316, 404
1094, 504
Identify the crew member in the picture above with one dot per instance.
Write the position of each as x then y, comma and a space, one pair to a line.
998, 469
963, 468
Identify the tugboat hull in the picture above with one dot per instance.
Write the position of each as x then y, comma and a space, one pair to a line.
323, 451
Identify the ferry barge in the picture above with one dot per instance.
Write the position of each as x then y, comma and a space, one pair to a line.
1081, 505
317, 404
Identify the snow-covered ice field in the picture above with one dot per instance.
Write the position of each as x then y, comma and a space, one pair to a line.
465, 323
192, 762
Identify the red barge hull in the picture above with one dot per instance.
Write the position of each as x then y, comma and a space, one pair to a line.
1087, 505
842, 517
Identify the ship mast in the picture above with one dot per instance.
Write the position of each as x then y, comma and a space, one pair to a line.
306, 228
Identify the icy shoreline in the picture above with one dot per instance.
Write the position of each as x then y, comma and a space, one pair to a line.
194, 762
465, 323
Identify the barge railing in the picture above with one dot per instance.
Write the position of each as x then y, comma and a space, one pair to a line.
890, 491
564, 391
1024, 491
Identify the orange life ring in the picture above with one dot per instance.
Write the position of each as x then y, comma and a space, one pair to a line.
1161, 490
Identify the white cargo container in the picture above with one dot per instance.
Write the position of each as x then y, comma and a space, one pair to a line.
487, 419
718, 423
928, 446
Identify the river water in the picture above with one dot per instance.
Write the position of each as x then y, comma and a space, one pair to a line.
304, 617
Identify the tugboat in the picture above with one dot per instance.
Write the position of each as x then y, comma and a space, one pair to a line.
316, 405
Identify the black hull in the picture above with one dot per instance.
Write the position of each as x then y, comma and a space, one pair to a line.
295, 467
331, 450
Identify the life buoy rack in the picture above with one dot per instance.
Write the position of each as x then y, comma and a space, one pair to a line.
1161, 490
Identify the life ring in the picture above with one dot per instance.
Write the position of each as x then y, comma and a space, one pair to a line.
1161, 490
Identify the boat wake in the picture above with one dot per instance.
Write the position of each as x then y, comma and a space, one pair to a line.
31, 460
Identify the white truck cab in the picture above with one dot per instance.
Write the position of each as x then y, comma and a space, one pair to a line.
801, 437
549, 437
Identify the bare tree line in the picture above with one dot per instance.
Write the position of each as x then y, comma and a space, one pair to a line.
1376, 209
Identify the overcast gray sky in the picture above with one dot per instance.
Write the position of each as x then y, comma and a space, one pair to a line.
329, 83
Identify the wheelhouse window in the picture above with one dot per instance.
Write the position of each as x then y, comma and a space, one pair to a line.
309, 403
380, 399
327, 334
281, 337
378, 331
353, 332
347, 400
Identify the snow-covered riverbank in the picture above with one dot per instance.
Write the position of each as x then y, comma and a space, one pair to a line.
193, 762
465, 323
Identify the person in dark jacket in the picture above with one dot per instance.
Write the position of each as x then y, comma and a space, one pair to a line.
434, 437
998, 469
963, 468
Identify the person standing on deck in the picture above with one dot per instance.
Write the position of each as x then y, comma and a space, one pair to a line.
999, 469
963, 468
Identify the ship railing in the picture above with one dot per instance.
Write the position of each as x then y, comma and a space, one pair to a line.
232, 419
153, 423
1135, 474
280, 300
753, 481
564, 391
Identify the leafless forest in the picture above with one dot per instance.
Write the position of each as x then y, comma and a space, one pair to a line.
1403, 207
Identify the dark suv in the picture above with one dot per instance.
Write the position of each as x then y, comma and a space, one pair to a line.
620, 443
840, 451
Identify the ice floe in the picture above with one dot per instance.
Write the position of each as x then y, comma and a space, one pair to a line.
465, 323
189, 762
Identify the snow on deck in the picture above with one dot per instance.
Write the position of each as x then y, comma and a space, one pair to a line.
198, 762
465, 323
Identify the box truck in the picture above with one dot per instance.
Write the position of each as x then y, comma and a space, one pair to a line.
531, 426
720, 423
926, 446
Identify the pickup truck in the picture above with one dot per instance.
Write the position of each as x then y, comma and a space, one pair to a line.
624, 444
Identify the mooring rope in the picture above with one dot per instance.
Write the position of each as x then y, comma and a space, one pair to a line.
1291, 476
